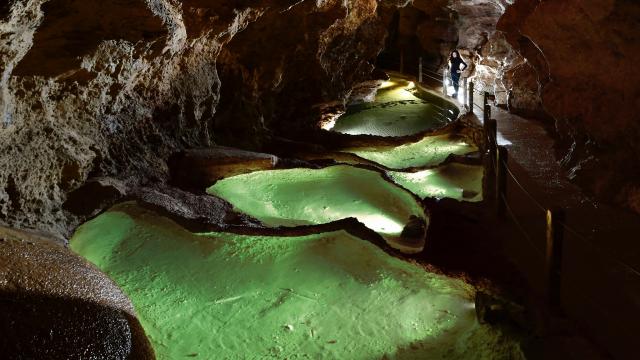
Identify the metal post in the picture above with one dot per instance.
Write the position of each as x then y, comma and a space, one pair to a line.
471, 96
486, 98
464, 90
444, 82
553, 257
490, 130
502, 156
420, 70
486, 114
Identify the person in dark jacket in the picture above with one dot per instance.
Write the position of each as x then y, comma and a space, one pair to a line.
456, 67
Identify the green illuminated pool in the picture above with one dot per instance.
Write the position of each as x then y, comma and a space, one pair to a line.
455, 181
396, 111
297, 197
324, 296
429, 151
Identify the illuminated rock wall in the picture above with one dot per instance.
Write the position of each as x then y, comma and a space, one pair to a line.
584, 54
112, 88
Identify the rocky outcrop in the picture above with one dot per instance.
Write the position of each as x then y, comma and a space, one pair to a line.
113, 88
55, 305
584, 54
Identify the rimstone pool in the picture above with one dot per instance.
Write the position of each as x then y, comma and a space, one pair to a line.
321, 296
324, 294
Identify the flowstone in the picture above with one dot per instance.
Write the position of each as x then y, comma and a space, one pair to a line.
295, 197
328, 295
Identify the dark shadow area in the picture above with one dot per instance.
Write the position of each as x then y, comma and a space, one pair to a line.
74, 28
35, 326
425, 30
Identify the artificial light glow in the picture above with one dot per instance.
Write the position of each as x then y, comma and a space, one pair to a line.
295, 197
455, 181
396, 110
430, 151
329, 121
381, 224
295, 292
387, 84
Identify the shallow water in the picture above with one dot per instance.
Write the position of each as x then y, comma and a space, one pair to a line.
427, 152
328, 295
396, 111
301, 196
331, 295
455, 181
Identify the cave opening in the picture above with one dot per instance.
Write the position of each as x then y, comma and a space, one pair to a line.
290, 179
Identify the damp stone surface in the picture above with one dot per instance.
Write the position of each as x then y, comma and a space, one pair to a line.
328, 295
455, 181
301, 196
398, 110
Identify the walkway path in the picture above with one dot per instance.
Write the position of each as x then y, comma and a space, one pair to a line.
601, 262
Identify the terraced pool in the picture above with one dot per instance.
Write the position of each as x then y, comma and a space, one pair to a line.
302, 196
323, 295
397, 111
330, 295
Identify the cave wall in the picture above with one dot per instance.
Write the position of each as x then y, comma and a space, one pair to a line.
568, 63
112, 88
584, 54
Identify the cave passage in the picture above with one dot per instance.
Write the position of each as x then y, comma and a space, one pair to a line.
326, 294
399, 109
329, 295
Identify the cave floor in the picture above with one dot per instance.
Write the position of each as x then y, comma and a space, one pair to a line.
325, 294
328, 295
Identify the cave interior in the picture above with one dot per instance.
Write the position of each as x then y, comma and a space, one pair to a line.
319, 179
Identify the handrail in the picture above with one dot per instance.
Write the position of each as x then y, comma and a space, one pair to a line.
570, 229
544, 209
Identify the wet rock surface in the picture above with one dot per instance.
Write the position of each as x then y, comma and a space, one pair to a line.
55, 305
112, 90
593, 102
199, 168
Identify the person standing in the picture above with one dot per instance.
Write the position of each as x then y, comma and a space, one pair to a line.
456, 67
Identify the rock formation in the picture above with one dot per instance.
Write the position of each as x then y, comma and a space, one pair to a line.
55, 305
569, 61
584, 55
113, 88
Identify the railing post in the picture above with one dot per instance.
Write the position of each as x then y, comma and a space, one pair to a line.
464, 90
420, 70
471, 96
490, 130
486, 114
444, 82
502, 157
553, 258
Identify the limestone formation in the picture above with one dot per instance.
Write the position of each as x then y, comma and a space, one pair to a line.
112, 88
585, 57
55, 305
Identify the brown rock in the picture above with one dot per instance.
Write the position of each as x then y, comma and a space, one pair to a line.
584, 53
112, 89
200, 168
55, 305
